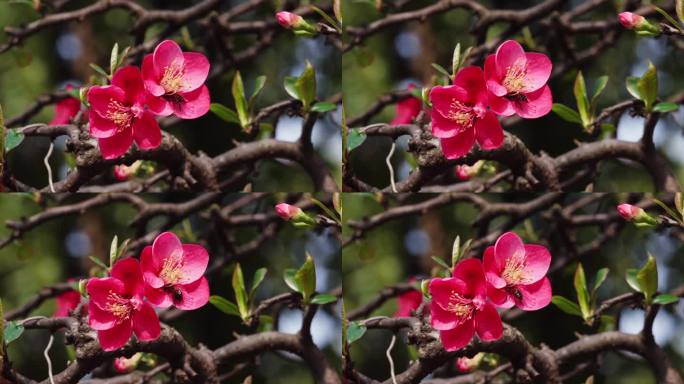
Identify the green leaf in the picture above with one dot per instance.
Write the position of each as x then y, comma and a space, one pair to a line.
305, 278
113, 251
323, 106
566, 306
327, 18
631, 278
364, 56
566, 113
441, 70
289, 277
665, 299
114, 59
12, 139
240, 293
667, 209
580, 91
580, 283
600, 277
456, 60
225, 306
669, 18
323, 299
258, 278
98, 262
290, 87
600, 86
647, 277
224, 113
99, 70
456, 251
354, 139
306, 86
258, 86
441, 263
679, 8
632, 86
355, 331
648, 86
12, 331
238, 91
665, 107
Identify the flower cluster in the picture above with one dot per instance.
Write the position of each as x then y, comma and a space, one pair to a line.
169, 273
511, 273
171, 82
513, 82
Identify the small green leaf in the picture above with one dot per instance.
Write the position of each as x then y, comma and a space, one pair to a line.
665, 107
306, 86
441, 263
354, 139
665, 299
12, 139
224, 113
99, 70
240, 293
580, 283
648, 86
114, 59
600, 277
566, 306
289, 84
289, 277
580, 91
322, 107
632, 86
113, 250
456, 251
566, 113
600, 86
238, 91
455, 60
225, 306
305, 278
323, 299
355, 331
12, 331
98, 262
631, 278
258, 278
258, 86
441, 70
647, 277
669, 18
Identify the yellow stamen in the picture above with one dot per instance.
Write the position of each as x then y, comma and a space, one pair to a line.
171, 270
514, 80
119, 114
461, 114
460, 307
172, 79
118, 306
513, 271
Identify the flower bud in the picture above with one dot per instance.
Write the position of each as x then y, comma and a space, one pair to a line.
124, 172
638, 23
296, 23
465, 364
635, 214
125, 365
294, 214
465, 172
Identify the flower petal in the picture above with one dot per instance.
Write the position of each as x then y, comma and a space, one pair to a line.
167, 53
195, 261
129, 79
509, 54
117, 145
158, 105
459, 145
99, 98
509, 245
193, 295
115, 338
537, 262
444, 128
128, 271
538, 104
534, 296
488, 323
489, 132
501, 105
196, 71
442, 319
538, 71
499, 297
99, 289
441, 290
492, 269
458, 337
441, 98
146, 323
492, 78
100, 127
166, 245
151, 77
150, 269
158, 297
99, 319
470, 271
64, 110
472, 79
194, 104
146, 132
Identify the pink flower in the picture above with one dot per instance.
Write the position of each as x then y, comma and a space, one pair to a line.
66, 302
460, 115
628, 211
117, 307
66, 109
288, 19
409, 301
630, 20
118, 115
516, 81
407, 109
516, 273
174, 273
175, 81
459, 307
287, 211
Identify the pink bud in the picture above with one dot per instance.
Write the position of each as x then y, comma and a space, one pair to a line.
125, 365
464, 172
287, 211
628, 211
288, 19
121, 172
630, 20
464, 364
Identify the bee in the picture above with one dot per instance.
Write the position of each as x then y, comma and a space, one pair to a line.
515, 292
519, 97
176, 293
